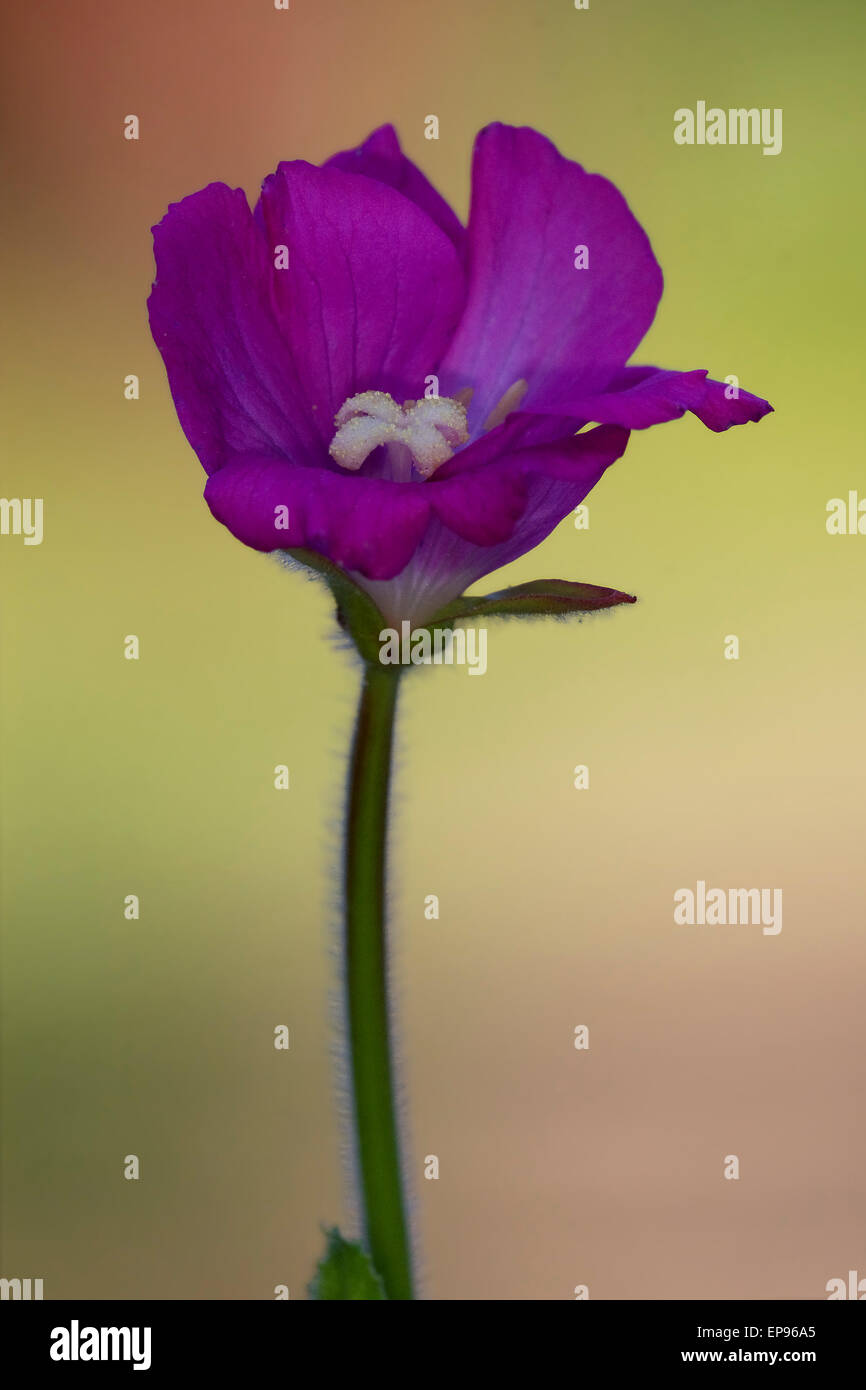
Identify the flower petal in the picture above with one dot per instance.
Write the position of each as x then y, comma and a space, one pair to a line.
487, 504
373, 290
530, 314
361, 524
396, 537
231, 376
638, 397
487, 517
381, 158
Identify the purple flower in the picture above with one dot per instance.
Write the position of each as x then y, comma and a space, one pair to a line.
362, 376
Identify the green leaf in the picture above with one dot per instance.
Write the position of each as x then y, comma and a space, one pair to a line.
345, 1271
356, 611
541, 598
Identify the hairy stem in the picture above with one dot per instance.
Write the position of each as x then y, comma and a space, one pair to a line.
366, 965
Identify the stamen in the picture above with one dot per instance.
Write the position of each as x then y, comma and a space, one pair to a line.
377, 404
510, 401
430, 429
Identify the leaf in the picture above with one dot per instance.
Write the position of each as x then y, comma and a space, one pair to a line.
541, 598
345, 1272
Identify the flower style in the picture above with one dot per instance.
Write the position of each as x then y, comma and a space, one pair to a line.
364, 378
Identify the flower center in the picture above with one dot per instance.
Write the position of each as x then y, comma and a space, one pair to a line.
428, 430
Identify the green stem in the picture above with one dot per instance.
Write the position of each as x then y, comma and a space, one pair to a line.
378, 1149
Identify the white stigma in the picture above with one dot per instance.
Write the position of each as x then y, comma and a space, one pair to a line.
430, 429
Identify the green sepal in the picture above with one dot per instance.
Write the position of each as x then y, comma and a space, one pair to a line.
357, 614
361, 619
345, 1271
541, 598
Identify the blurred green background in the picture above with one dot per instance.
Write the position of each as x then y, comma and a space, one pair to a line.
155, 777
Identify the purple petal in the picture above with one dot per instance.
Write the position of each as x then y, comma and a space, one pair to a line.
520, 430
530, 314
361, 524
230, 373
638, 397
481, 506
373, 290
550, 482
487, 504
377, 528
381, 158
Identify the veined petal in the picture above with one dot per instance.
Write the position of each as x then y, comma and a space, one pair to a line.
639, 397
373, 290
231, 376
487, 504
360, 523
530, 314
487, 517
381, 158
377, 528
